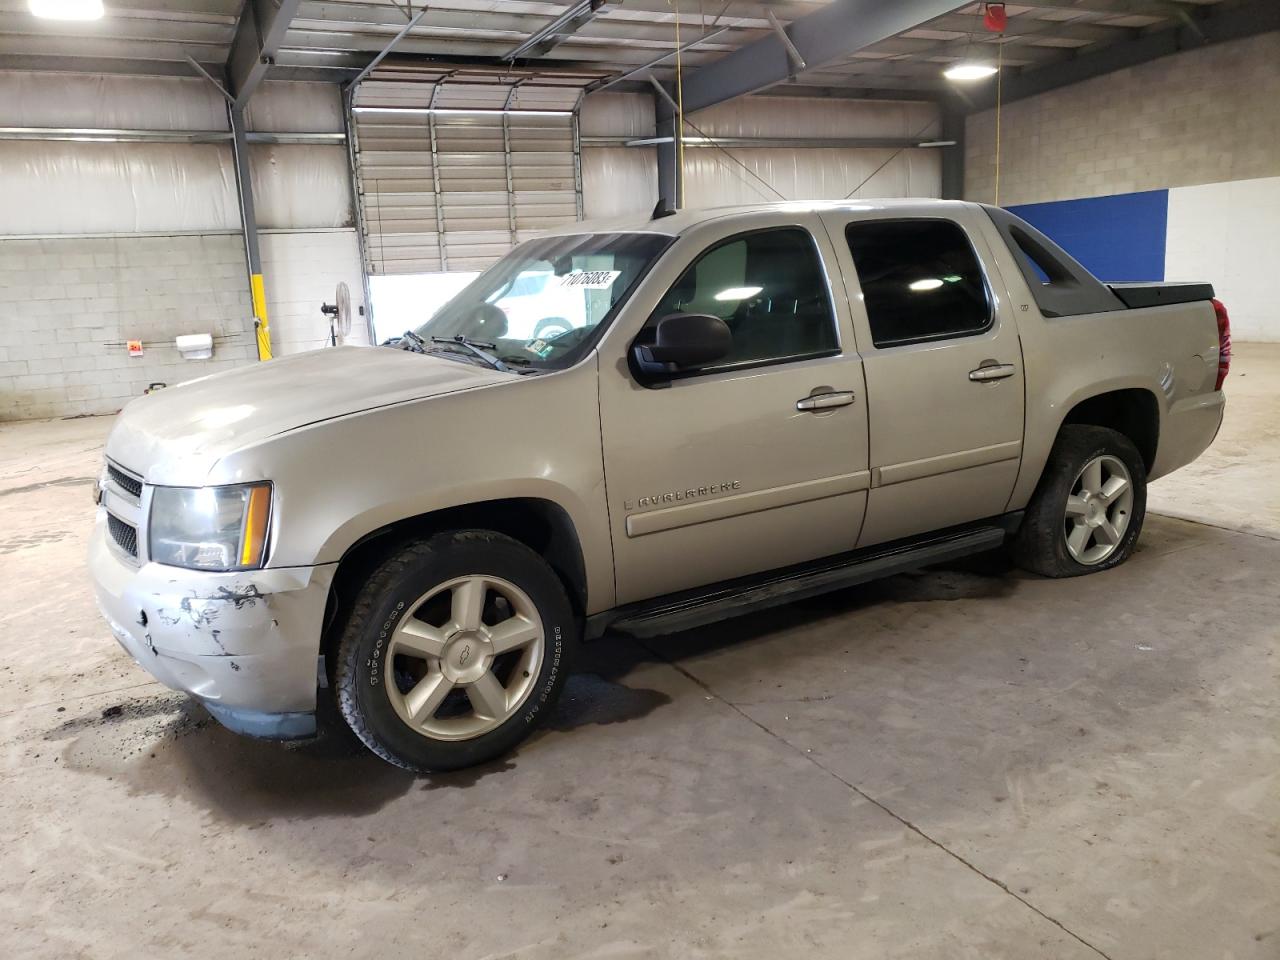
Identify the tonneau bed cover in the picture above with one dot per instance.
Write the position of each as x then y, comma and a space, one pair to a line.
1135, 295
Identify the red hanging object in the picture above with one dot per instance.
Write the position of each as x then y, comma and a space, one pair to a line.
994, 17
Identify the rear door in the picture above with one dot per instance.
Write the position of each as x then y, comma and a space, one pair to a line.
943, 365
756, 461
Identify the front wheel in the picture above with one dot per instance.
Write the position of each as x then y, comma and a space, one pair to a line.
455, 649
1087, 511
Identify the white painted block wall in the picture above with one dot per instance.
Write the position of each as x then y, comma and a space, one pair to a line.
300, 270
1229, 234
71, 303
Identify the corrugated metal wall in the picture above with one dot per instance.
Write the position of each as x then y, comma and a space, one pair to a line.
620, 180
103, 242
617, 180
65, 187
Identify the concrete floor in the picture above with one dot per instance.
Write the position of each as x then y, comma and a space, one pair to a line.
965, 762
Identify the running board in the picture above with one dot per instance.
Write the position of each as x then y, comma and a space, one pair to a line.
697, 608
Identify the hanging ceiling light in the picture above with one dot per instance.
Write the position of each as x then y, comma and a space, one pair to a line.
968, 68
67, 9
965, 70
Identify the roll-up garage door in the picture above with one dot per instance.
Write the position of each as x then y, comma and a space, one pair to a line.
454, 168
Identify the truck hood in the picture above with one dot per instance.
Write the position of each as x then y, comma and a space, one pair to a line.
177, 435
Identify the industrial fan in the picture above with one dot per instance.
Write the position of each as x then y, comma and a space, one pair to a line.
339, 314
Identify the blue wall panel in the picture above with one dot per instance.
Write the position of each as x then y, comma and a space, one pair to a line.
1117, 238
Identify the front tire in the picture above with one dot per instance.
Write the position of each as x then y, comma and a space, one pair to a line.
1087, 512
456, 648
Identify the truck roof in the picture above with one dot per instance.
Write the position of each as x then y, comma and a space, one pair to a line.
682, 220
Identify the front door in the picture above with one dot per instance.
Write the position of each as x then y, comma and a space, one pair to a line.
758, 460
943, 364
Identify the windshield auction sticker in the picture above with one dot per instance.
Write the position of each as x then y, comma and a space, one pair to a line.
590, 279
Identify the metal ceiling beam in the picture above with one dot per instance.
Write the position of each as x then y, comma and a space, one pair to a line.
533, 13
1018, 43
425, 41
13, 48
374, 25
790, 143
404, 31
638, 84
848, 93
111, 135
606, 83
793, 54
1031, 26
830, 33
543, 40
217, 84
1114, 8
138, 67
259, 34
1230, 22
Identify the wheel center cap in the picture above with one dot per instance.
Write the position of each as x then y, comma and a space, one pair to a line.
467, 656
1096, 513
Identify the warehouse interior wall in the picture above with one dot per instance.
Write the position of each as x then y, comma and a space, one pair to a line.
619, 180
1180, 131
303, 269
712, 179
1226, 233
106, 242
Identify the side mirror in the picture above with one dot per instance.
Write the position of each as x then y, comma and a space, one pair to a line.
683, 340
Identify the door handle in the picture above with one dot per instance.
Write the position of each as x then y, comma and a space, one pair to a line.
825, 401
992, 371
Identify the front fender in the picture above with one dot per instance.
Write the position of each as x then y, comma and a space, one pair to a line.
532, 437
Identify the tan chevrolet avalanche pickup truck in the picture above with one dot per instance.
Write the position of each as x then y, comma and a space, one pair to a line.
721, 410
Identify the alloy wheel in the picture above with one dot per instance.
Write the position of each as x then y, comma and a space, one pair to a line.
1098, 509
465, 657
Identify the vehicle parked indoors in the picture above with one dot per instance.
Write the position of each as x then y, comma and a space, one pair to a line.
639, 479
860, 389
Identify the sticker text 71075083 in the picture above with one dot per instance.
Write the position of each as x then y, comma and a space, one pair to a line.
590, 279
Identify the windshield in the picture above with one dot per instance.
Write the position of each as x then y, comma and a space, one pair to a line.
541, 304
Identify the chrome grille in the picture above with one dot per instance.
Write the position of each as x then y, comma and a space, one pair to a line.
130, 485
122, 501
124, 534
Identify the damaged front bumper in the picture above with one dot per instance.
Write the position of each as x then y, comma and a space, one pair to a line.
246, 644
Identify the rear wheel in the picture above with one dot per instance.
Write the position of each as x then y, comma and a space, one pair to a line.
1088, 509
456, 648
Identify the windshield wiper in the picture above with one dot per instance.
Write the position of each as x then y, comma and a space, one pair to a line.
416, 343
475, 347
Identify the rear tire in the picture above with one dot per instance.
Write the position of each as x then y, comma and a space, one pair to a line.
1087, 511
456, 648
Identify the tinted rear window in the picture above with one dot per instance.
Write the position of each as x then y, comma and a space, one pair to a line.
920, 280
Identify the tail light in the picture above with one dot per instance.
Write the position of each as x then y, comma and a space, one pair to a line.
1224, 342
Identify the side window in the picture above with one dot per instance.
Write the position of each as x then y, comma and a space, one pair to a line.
920, 280
768, 286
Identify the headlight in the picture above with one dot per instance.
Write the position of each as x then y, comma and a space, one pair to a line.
210, 528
